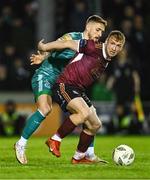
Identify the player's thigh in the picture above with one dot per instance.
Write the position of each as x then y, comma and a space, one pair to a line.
44, 104
79, 102
78, 105
41, 84
44, 100
70, 99
42, 92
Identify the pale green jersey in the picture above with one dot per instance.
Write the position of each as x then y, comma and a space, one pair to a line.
46, 75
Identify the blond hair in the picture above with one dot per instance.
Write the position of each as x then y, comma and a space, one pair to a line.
118, 35
97, 19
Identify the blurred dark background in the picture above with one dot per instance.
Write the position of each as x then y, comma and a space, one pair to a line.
21, 21
24, 22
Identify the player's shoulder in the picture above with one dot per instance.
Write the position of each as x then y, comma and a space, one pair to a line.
96, 45
75, 35
91, 43
71, 36
66, 36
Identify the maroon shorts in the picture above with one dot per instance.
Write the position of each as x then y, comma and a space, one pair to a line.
64, 93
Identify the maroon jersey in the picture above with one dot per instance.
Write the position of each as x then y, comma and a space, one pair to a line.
86, 67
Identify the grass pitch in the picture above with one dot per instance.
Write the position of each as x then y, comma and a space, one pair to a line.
43, 165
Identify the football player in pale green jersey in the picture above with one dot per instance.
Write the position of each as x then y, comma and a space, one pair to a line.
44, 78
52, 67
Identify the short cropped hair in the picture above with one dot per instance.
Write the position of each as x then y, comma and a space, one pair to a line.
97, 19
118, 35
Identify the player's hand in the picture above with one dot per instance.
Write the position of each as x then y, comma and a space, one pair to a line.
41, 45
37, 58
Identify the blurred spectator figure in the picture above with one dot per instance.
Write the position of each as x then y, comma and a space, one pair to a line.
140, 7
11, 122
127, 22
17, 38
116, 10
126, 28
31, 9
61, 14
8, 56
139, 37
6, 20
20, 75
78, 15
3, 77
128, 13
125, 82
140, 44
19, 31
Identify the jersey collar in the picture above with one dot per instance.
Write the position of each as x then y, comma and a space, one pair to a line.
82, 35
104, 52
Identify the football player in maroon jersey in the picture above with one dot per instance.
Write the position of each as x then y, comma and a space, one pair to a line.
45, 77
69, 91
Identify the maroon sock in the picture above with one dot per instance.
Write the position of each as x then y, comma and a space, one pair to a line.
84, 142
66, 128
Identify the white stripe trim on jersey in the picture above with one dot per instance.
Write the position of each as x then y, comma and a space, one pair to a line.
82, 35
104, 52
78, 41
41, 112
77, 58
40, 81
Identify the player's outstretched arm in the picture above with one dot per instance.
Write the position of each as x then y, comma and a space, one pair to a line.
58, 45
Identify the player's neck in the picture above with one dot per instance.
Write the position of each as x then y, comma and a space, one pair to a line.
85, 35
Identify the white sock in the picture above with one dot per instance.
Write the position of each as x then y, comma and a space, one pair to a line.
90, 152
41, 113
22, 141
56, 137
78, 155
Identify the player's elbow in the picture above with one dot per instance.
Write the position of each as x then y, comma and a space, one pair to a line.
71, 45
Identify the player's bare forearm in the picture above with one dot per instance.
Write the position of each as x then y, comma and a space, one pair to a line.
58, 45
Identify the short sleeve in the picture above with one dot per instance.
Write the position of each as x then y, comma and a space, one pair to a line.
87, 46
65, 37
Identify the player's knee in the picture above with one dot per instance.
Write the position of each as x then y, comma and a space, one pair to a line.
85, 113
96, 126
45, 109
